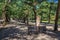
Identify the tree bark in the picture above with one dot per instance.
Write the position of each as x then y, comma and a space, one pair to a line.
57, 15
35, 14
26, 17
27, 20
37, 23
41, 17
49, 13
5, 16
24, 20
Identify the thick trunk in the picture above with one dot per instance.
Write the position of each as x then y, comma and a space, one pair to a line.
57, 15
37, 23
5, 15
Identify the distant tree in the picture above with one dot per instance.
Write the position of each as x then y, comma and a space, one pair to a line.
5, 14
26, 17
32, 3
50, 8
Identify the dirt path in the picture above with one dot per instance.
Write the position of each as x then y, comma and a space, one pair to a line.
20, 32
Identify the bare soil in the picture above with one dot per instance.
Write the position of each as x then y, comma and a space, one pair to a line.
19, 31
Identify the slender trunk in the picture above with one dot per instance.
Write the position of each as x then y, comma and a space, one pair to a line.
49, 14
7, 18
24, 20
35, 14
57, 15
49, 18
27, 19
27, 13
41, 16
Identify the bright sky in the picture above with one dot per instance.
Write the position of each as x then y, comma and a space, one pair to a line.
56, 1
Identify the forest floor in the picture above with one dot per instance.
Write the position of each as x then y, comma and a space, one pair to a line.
20, 32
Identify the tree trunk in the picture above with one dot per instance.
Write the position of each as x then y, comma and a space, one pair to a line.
27, 20
7, 18
26, 17
5, 14
41, 17
35, 14
57, 15
49, 14
49, 18
24, 20
37, 23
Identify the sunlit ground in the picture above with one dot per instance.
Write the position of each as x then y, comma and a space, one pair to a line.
19, 31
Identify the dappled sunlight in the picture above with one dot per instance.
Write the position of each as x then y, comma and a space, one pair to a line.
29, 20
21, 33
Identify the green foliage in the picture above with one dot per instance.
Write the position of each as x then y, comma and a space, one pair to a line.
17, 8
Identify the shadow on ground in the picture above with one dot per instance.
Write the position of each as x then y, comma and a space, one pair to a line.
10, 33
18, 34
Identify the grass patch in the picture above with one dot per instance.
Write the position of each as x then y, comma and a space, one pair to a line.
52, 22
